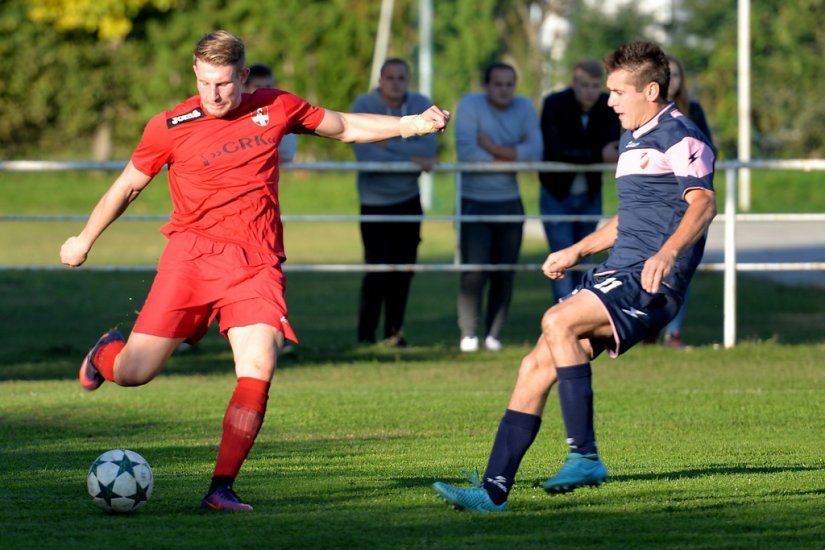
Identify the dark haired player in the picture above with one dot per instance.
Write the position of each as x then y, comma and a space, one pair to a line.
664, 179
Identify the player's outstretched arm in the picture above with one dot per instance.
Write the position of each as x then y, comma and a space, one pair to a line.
366, 128
557, 263
112, 204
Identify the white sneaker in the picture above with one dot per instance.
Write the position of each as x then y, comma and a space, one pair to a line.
492, 344
469, 344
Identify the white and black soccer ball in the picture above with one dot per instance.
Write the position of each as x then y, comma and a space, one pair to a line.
120, 481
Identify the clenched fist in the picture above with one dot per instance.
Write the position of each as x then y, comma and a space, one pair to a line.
73, 252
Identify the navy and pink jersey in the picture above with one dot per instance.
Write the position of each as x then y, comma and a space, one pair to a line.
658, 164
223, 172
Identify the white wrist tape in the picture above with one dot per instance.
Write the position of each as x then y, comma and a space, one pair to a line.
415, 125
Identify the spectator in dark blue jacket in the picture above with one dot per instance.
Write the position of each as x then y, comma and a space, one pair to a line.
578, 128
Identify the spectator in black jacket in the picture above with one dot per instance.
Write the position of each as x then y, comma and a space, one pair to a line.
578, 128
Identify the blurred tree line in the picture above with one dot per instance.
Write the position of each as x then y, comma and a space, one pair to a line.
81, 77
787, 73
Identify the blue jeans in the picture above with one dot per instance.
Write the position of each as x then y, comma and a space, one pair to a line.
563, 234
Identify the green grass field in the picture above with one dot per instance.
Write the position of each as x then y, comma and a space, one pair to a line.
707, 448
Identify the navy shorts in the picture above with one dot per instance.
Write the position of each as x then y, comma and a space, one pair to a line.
634, 313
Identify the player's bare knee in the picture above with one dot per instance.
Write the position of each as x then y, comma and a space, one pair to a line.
531, 367
551, 322
133, 368
528, 366
130, 377
262, 369
555, 328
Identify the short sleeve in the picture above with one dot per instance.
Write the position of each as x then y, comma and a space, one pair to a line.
692, 161
301, 116
155, 148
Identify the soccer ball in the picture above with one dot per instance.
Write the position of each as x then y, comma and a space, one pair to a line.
120, 481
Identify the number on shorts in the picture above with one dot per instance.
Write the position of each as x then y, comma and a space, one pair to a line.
608, 284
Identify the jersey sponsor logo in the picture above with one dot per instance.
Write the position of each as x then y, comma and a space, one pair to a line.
236, 146
644, 161
261, 116
194, 114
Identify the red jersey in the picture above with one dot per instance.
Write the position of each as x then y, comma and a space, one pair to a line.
223, 172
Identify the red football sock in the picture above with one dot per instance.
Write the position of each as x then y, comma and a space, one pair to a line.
105, 357
241, 424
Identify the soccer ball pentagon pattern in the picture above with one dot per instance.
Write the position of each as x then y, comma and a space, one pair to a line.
120, 481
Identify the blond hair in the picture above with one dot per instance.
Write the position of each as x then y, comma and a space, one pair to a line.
221, 48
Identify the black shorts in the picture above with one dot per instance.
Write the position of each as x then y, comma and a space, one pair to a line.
634, 313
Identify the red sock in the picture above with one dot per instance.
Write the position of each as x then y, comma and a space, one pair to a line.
241, 424
104, 359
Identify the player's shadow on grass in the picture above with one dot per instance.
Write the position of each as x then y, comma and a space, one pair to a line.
311, 494
215, 357
711, 471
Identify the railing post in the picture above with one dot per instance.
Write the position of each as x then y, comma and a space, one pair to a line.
457, 259
730, 259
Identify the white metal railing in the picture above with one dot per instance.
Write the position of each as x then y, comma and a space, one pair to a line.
729, 218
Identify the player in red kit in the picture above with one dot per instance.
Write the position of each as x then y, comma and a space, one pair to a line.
225, 241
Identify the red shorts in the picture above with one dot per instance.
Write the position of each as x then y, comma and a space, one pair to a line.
199, 280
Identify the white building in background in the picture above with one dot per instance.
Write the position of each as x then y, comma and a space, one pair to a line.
556, 28
663, 12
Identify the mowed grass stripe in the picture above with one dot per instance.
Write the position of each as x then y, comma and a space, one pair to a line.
705, 449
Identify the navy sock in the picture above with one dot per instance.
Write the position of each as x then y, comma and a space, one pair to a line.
516, 433
220, 481
576, 398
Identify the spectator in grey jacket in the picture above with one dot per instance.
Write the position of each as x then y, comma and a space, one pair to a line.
388, 193
494, 126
